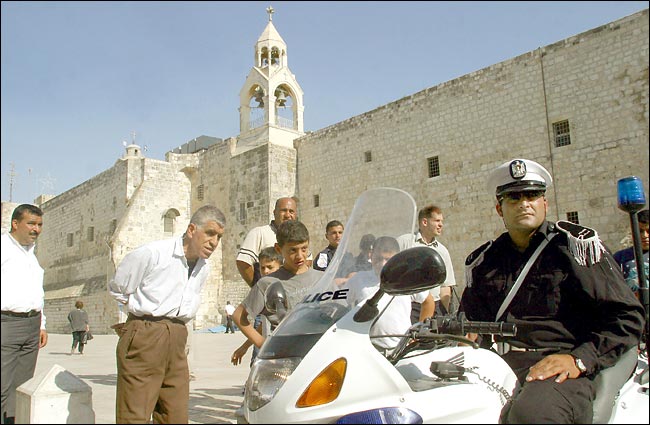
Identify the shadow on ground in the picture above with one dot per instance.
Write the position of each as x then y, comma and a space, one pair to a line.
206, 406
215, 406
110, 380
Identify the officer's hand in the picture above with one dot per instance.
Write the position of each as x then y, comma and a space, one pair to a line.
561, 365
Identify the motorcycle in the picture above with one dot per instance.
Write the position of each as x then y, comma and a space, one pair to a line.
320, 366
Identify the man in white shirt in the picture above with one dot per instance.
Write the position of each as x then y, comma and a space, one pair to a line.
160, 283
23, 321
430, 224
396, 318
230, 309
261, 237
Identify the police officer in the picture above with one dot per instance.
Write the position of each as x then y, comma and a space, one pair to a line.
561, 287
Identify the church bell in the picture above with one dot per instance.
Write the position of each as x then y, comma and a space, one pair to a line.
281, 98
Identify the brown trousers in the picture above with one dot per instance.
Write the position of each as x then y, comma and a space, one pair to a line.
152, 373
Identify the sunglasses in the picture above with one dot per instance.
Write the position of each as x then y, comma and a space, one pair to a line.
529, 195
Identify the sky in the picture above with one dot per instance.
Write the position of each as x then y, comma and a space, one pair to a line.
79, 78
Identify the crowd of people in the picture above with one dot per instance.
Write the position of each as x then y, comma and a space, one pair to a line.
576, 301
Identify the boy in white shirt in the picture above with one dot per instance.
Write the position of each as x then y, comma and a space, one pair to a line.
396, 318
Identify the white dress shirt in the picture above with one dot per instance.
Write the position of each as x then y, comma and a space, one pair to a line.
395, 320
153, 280
22, 278
412, 240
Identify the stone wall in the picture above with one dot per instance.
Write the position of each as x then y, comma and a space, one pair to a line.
597, 80
90, 228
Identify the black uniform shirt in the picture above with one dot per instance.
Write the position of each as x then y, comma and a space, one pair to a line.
584, 310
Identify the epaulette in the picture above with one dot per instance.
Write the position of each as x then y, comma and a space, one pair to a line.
583, 242
473, 260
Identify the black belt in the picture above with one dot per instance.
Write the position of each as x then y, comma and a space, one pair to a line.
148, 318
30, 313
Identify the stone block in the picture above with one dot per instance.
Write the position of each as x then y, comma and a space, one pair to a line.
55, 397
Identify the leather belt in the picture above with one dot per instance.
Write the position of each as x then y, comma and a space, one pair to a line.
30, 313
148, 318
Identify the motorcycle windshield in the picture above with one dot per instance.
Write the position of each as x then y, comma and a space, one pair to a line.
377, 212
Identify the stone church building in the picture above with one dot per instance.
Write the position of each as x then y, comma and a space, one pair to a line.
579, 107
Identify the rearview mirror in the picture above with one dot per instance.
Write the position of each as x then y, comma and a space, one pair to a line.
276, 299
413, 270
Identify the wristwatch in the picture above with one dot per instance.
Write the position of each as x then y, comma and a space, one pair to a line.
580, 365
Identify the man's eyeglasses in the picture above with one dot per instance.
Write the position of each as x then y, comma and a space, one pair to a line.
529, 195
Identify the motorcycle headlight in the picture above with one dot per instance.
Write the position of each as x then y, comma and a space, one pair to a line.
266, 378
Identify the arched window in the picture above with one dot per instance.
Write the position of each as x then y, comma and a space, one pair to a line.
284, 107
169, 221
264, 57
275, 56
256, 104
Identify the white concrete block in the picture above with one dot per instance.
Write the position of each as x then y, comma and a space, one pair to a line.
55, 397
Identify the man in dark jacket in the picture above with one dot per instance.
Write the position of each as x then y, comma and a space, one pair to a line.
573, 311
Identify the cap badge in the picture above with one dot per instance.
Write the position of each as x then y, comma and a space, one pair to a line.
517, 169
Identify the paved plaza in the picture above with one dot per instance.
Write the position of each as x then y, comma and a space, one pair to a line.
214, 395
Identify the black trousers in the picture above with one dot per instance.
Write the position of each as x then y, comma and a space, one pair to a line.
77, 339
20, 337
546, 402
229, 326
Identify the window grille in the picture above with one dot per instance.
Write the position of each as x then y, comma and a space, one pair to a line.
368, 156
316, 201
433, 166
242, 211
572, 216
561, 133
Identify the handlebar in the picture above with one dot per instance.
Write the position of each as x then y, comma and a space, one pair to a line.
461, 326
426, 335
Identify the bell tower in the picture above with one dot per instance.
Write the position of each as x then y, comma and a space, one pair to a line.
271, 100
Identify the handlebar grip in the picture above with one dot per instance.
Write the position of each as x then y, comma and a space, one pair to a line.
461, 327
495, 328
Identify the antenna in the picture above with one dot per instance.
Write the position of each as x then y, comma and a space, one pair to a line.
133, 137
12, 174
31, 182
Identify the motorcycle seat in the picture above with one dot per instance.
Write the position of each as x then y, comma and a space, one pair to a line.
609, 382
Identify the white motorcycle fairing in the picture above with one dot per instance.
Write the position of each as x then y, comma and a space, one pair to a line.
320, 366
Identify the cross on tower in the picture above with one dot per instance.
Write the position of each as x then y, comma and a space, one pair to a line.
270, 11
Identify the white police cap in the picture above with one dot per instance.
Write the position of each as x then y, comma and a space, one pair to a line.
518, 175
